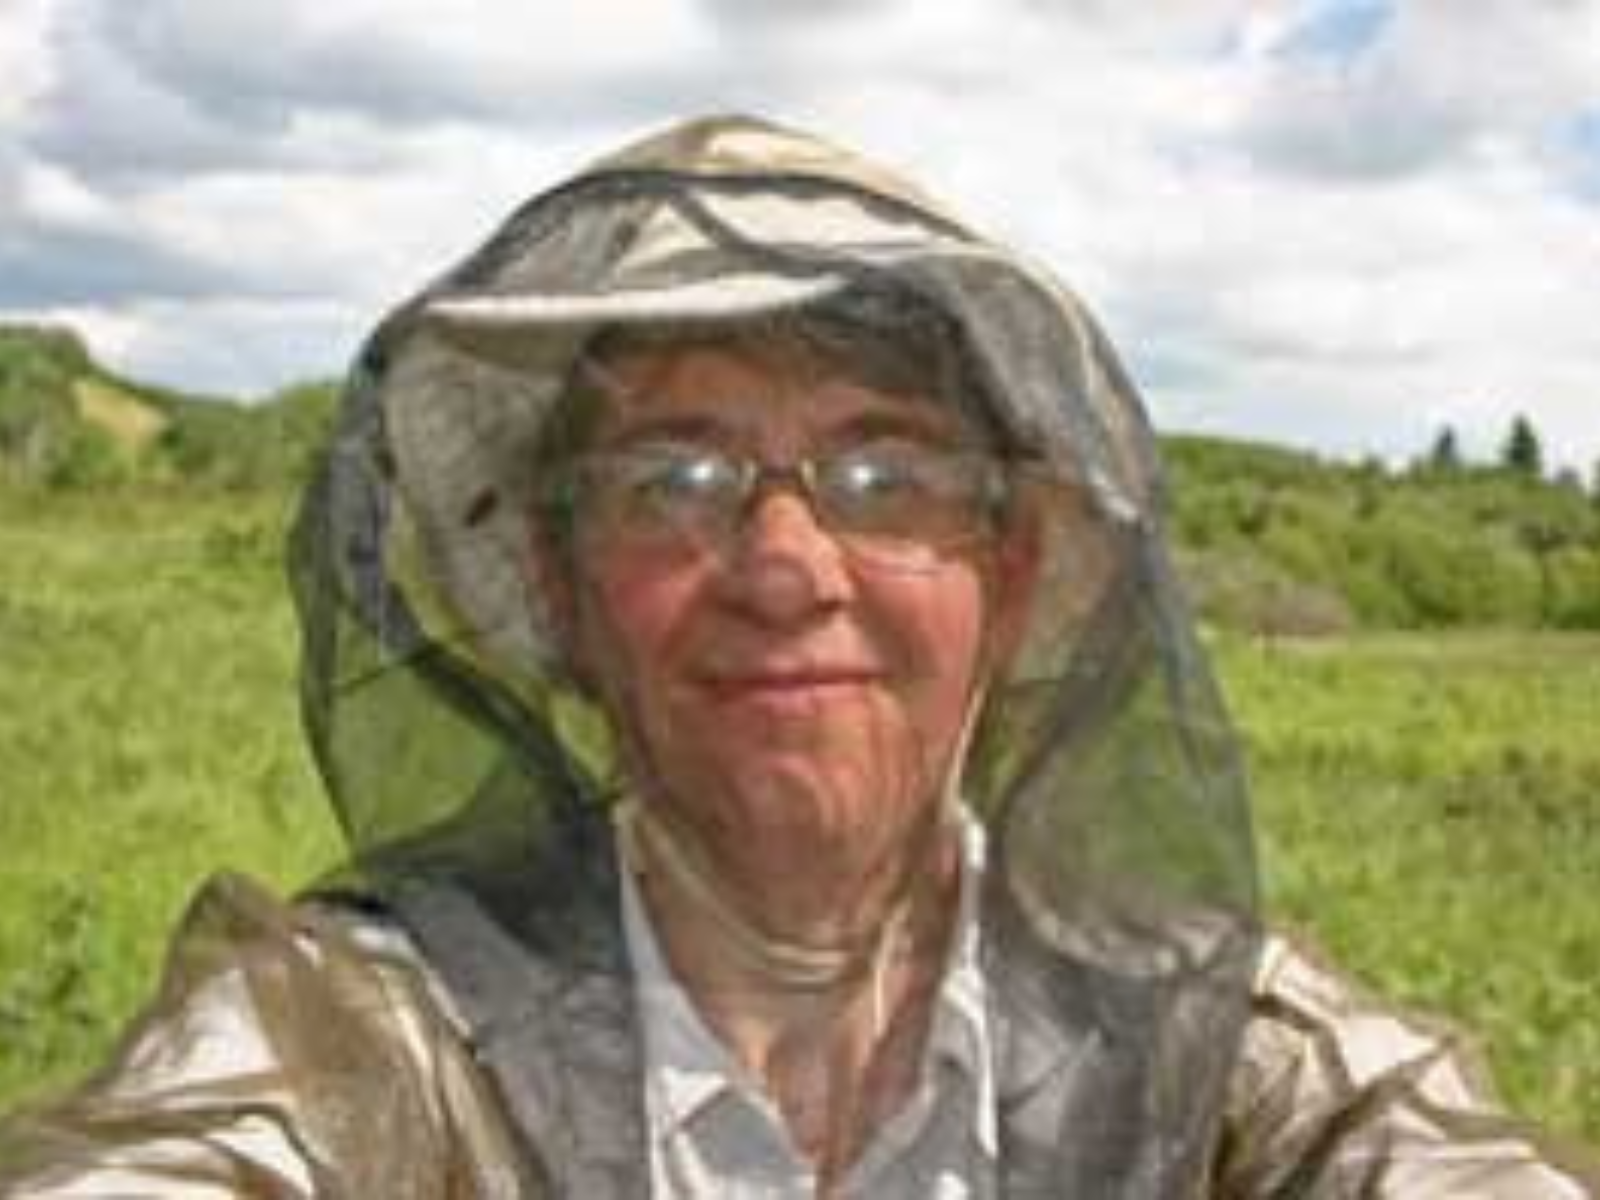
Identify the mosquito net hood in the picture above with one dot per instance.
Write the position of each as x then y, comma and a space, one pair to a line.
458, 742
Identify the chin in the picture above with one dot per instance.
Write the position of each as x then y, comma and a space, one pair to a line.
804, 804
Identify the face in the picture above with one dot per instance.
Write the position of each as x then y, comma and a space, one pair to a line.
781, 694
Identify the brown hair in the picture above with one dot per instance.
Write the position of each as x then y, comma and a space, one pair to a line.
897, 342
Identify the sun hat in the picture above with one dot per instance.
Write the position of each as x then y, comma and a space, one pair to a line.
726, 219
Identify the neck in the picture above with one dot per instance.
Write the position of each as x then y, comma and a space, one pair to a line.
791, 923
834, 1030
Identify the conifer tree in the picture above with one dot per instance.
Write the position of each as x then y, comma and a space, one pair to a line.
1445, 455
1522, 453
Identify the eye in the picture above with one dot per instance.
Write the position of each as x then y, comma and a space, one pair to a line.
909, 491
668, 481
678, 474
877, 489
879, 472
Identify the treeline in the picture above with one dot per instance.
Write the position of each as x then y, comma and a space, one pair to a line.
1271, 541
1275, 541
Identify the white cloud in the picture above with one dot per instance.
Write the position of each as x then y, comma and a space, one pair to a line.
167, 86
1432, 87
404, 61
1314, 220
25, 63
242, 349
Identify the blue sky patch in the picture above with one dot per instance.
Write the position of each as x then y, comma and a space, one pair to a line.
1339, 29
1586, 132
1580, 149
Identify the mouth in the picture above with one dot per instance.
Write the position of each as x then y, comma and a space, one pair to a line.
795, 685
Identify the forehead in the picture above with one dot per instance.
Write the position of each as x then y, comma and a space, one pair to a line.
758, 387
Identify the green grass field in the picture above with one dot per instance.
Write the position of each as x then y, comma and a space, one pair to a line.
1429, 811
1429, 807
147, 735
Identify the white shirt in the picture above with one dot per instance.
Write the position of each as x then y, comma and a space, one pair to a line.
713, 1132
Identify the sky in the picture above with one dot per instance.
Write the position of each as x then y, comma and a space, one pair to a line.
1337, 224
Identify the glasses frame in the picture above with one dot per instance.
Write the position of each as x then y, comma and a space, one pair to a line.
756, 478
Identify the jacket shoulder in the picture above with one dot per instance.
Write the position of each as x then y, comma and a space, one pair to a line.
1337, 1094
290, 1049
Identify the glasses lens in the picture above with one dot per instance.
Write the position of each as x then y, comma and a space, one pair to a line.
661, 494
896, 495
894, 501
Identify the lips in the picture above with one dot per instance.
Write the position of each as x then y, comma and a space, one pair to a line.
788, 682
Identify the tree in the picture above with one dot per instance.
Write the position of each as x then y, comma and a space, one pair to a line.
1445, 455
1522, 453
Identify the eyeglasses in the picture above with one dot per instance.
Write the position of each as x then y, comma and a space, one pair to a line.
900, 502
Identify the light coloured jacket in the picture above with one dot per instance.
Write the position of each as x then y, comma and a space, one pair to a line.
310, 1051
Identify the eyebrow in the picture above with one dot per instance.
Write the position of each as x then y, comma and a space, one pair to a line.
866, 426
874, 424
685, 427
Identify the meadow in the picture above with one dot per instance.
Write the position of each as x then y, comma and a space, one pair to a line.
1429, 805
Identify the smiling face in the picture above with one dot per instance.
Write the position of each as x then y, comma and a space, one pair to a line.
784, 697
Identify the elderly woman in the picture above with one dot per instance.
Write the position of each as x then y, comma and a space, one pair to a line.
740, 645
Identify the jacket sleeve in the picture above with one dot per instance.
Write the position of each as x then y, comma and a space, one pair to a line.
287, 1054
1337, 1096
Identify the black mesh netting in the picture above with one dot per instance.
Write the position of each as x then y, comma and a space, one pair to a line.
474, 768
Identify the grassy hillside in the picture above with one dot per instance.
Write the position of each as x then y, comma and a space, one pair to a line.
67, 423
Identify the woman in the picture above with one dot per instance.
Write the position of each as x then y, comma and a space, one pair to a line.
742, 649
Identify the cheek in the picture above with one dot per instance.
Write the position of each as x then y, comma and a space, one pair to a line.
631, 618
936, 626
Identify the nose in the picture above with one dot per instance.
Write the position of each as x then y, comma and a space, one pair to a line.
784, 567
